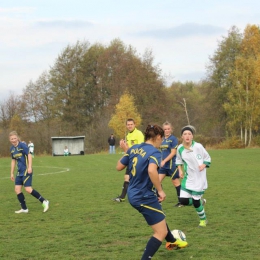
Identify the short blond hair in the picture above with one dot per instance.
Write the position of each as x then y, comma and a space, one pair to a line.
13, 133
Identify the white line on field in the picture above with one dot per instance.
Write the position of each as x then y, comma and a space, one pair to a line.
47, 173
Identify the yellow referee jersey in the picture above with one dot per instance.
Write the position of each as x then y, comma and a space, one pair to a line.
134, 137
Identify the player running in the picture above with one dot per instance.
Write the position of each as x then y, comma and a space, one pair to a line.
194, 158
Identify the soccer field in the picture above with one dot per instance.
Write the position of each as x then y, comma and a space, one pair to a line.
84, 223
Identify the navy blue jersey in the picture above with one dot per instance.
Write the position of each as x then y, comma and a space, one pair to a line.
20, 154
138, 158
166, 147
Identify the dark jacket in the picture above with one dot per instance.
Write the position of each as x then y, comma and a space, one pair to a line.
111, 141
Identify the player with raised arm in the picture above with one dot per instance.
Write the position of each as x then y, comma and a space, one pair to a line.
134, 136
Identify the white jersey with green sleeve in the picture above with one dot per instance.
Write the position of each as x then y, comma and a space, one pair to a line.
194, 179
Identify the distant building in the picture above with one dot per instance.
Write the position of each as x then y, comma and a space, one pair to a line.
75, 144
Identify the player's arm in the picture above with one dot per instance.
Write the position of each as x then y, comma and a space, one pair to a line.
120, 166
179, 164
123, 145
123, 162
169, 157
29, 163
13, 163
154, 176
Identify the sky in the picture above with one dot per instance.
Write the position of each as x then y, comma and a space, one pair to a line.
182, 34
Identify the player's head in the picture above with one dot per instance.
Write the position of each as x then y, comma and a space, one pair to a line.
188, 128
167, 128
187, 133
14, 138
154, 133
130, 124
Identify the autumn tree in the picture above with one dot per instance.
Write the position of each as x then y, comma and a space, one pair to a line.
124, 109
218, 82
243, 106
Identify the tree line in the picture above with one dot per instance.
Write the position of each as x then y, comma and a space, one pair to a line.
79, 93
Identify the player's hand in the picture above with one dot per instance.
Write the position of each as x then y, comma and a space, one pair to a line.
202, 167
162, 163
29, 171
123, 145
12, 177
181, 174
162, 196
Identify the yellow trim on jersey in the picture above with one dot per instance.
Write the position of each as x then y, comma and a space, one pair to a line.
26, 162
174, 173
154, 209
154, 159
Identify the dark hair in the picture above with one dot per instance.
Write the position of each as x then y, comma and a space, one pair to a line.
152, 131
130, 120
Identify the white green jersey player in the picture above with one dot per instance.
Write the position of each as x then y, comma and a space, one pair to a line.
193, 159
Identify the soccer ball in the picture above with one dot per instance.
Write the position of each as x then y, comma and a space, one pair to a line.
179, 234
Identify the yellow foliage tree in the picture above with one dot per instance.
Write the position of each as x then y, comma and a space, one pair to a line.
243, 106
124, 109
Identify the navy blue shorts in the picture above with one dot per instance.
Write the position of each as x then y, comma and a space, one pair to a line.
174, 174
152, 212
26, 181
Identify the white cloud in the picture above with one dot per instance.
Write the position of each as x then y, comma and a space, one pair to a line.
181, 34
17, 10
181, 31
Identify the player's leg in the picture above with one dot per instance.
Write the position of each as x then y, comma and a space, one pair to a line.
155, 218
175, 177
199, 207
20, 195
186, 197
35, 193
125, 185
121, 198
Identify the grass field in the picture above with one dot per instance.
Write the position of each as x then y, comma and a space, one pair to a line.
84, 223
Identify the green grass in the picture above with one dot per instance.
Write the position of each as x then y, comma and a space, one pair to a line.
84, 223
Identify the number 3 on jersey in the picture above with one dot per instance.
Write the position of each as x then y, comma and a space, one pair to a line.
135, 160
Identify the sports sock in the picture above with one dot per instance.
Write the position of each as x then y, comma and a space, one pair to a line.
37, 195
201, 212
124, 189
178, 191
169, 237
21, 199
151, 248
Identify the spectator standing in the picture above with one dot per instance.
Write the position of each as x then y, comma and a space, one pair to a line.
112, 142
